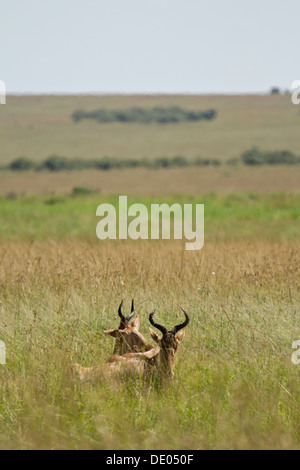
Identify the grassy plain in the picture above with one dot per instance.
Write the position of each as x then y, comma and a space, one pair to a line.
235, 386
231, 217
147, 182
38, 126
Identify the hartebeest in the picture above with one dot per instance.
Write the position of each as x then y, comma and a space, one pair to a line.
128, 338
160, 359
168, 344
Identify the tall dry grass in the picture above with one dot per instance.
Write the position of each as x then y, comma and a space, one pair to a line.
235, 385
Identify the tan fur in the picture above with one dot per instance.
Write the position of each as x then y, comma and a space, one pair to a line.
132, 353
159, 359
118, 366
129, 339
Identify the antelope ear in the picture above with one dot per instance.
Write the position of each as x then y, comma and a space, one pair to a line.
136, 323
154, 336
180, 336
112, 333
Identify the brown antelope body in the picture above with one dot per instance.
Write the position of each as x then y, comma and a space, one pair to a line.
160, 359
128, 338
168, 344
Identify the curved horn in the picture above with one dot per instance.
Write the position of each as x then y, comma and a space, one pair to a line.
183, 325
129, 317
120, 312
161, 328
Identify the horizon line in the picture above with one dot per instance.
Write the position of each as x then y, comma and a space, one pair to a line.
144, 93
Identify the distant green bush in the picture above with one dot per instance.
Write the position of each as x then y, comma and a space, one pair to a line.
53, 200
281, 157
106, 163
21, 164
162, 162
207, 162
256, 156
11, 196
173, 114
83, 191
253, 157
275, 90
56, 163
129, 163
78, 115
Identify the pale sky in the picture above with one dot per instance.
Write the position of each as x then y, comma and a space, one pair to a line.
149, 46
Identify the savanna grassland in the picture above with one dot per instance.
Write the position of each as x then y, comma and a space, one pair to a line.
235, 385
39, 126
190, 181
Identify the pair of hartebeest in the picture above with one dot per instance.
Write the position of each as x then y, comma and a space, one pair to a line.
132, 353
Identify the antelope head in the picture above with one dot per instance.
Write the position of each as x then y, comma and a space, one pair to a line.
128, 338
168, 343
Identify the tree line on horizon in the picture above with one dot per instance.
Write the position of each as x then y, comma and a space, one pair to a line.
252, 157
158, 115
